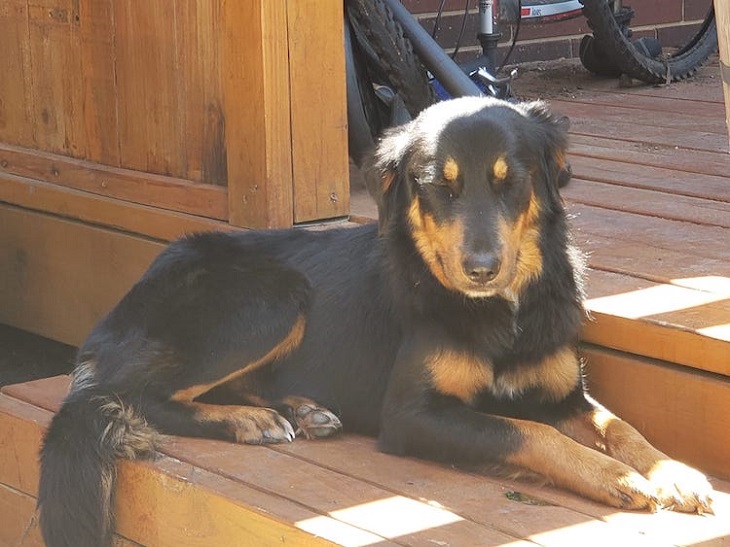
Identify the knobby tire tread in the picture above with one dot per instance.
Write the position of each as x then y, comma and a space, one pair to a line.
394, 52
632, 62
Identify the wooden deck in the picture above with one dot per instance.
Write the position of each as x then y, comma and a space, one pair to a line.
650, 202
338, 491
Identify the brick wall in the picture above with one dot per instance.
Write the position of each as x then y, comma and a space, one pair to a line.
672, 21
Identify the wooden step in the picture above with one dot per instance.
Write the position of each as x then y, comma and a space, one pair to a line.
339, 491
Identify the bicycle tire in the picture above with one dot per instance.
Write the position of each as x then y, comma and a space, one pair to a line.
393, 53
678, 66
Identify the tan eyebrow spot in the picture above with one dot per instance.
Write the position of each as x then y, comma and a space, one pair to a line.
500, 169
451, 169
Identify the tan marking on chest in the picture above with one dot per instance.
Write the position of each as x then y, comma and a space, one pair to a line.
556, 376
459, 374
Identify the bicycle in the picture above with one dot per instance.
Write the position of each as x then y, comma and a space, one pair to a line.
396, 69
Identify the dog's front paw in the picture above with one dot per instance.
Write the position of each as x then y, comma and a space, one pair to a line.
259, 426
631, 491
680, 487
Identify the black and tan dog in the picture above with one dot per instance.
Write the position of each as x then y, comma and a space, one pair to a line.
448, 331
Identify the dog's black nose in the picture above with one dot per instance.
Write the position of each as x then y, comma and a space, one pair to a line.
482, 267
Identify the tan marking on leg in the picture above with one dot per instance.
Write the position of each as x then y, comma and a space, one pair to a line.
571, 465
459, 374
286, 346
438, 244
249, 425
556, 376
678, 486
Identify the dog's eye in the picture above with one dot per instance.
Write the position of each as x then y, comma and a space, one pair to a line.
449, 188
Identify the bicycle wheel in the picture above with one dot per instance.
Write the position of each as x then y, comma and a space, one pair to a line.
635, 60
390, 57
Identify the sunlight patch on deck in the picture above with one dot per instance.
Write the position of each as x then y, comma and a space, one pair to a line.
682, 294
388, 518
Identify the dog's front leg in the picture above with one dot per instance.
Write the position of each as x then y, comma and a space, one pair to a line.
427, 413
678, 486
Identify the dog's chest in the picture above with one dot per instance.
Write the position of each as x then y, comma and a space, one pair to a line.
464, 375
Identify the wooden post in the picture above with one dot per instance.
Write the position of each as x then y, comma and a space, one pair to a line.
318, 109
256, 104
722, 17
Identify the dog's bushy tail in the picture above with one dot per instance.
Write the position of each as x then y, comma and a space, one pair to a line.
78, 472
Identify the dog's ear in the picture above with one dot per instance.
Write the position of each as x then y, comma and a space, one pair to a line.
385, 170
551, 134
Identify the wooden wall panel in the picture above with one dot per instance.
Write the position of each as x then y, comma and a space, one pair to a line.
16, 101
55, 46
98, 77
318, 97
169, 88
60, 277
150, 105
684, 413
198, 27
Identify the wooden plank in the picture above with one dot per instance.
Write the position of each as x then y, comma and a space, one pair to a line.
650, 154
683, 413
649, 203
203, 509
164, 192
60, 277
354, 502
98, 79
55, 49
199, 507
318, 99
16, 106
148, 84
639, 124
666, 322
103, 211
547, 516
722, 17
17, 519
258, 122
637, 133
646, 177
197, 25
478, 498
700, 110
695, 241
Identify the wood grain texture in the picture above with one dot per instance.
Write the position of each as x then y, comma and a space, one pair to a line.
16, 83
684, 414
255, 68
722, 17
60, 277
318, 106
344, 491
55, 50
169, 193
99, 210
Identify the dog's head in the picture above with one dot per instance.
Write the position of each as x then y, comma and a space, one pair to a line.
473, 180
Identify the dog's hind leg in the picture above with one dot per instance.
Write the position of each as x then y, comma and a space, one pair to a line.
183, 414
